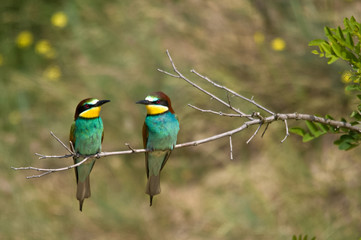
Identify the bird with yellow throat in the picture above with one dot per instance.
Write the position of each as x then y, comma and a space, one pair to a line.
160, 132
86, 135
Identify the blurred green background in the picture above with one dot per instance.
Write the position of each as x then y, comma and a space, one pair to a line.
55, 53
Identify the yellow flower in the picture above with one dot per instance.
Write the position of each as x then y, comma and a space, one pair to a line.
59, 19
278, 44
24, 39
258, 38
52, 73
1, 60
43, 47
346, 77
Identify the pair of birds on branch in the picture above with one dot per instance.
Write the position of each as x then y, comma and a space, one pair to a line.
160, 132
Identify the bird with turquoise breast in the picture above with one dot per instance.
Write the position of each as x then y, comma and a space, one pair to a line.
160, 132
86, 135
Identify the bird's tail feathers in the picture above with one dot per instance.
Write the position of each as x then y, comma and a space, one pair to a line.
153, 187
83, 191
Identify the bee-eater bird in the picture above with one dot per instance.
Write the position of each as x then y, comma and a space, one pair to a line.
160, 132
86, 135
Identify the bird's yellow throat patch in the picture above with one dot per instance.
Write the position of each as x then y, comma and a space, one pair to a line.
156, 109
91, 113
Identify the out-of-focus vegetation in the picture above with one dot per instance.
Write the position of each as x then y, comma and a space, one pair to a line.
343, 43
55, 53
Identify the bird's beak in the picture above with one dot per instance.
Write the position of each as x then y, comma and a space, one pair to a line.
101, 102
145, 102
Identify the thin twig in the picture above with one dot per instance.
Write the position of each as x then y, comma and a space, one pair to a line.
264, 131
130, 147
51, 170
287, 133
255, 133
63, 144
230, 148
41, 156
231, 91
217, 113
180, 75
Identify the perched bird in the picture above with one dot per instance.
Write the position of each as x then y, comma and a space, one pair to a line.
86, 135
160, 132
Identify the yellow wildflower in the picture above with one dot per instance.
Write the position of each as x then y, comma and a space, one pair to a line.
346, 77
1, 60
59, 19
24, 39
258, 38
52, 73
278, 44
43, 47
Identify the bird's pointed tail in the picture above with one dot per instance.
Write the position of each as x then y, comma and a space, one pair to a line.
83, 191
153, 187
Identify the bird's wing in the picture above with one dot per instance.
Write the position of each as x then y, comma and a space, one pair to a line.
165, 159
145, 134
72, 139
72, 134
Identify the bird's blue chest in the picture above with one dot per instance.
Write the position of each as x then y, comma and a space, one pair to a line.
88, 135
162, 131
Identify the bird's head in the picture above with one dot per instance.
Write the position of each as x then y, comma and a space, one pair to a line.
89, 108
157, 103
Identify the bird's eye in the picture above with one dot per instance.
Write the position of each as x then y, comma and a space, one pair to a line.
157, 102
86, 106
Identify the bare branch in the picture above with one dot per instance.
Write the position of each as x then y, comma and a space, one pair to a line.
217, 113
63, 144
51, 170
180, 75
264, 131
230, 148
287, 133
130, 147
233, 92
255, 133
254, 119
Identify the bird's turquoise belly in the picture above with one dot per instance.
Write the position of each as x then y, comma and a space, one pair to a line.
88, 136
162, 130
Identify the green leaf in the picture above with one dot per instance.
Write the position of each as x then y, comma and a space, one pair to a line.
325, 47
349, 40
329, 117
307, 137
315, 52
323, 127
336, 48
332, 60
298, 131
312, 127
346, 146
339, 34
316, 42
352, 87
328, 32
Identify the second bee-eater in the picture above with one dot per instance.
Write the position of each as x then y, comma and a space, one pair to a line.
160, 132
86, 135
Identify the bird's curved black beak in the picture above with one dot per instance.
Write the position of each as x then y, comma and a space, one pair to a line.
145, 102
101, 102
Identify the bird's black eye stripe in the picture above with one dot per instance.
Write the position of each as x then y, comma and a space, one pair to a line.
85, 107
161, 102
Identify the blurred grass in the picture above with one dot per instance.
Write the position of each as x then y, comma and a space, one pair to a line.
111, 50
